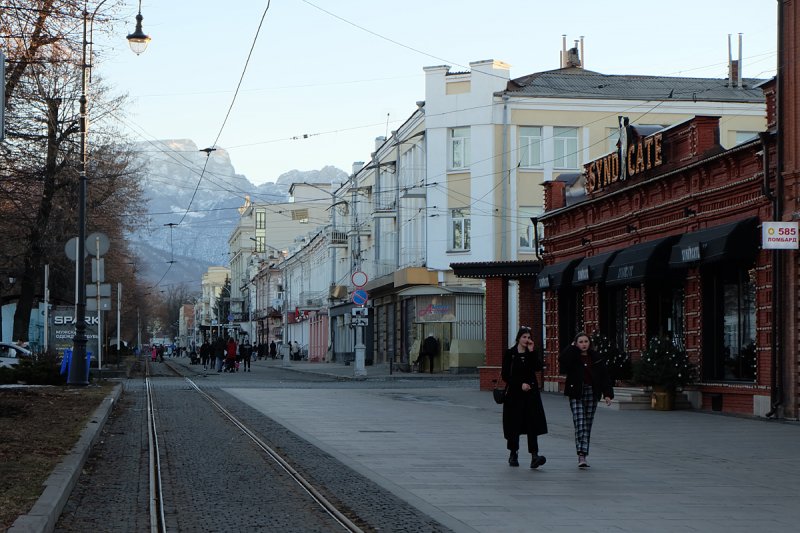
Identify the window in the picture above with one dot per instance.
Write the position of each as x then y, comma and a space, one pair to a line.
459, 229
729, 324
300, 215
459, 148
261, 244
565, 142
525, 229
261, 219
613, 138
530, 146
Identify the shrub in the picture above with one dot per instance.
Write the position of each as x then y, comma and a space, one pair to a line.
664, 365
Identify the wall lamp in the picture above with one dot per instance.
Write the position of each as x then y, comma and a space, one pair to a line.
689, 212
631, 228
585, 241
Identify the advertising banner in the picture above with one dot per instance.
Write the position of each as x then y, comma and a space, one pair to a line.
62, 328
779, 235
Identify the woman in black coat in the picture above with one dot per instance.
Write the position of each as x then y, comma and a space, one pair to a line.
523, 413
587, 380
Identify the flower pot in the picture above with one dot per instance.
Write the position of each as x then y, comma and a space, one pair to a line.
663, 400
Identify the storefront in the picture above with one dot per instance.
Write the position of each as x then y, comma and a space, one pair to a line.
666, 242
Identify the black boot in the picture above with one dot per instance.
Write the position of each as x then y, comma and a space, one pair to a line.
537, 460
512, 459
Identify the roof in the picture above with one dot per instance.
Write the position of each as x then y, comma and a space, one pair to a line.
576, 82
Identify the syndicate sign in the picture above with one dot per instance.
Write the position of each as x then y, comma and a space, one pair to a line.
636, 154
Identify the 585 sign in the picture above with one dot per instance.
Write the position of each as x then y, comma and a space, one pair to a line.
779, 235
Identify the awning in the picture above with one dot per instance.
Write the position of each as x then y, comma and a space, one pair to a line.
592, 269
640, 261
554, 277
735, 240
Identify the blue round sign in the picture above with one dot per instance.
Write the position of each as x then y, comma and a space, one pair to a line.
359, 297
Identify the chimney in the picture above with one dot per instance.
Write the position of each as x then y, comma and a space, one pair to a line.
357, 166
734, 65
571, 58
379, 142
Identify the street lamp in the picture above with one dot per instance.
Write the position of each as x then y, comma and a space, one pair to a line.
77, 367
138, 40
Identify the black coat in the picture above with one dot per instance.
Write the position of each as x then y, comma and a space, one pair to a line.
570, 365
523, 412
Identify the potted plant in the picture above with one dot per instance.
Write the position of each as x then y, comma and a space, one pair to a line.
666, 368
617, 361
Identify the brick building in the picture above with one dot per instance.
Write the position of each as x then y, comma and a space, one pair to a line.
664, 237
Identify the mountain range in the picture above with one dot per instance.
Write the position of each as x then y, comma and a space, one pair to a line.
193, 198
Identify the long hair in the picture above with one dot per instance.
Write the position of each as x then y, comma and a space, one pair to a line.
523, 330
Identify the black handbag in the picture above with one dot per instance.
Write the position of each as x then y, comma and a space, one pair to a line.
500, 394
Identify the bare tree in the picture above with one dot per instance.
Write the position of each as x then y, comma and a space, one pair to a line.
39, 182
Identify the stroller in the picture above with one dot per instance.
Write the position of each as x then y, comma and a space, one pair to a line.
230, 364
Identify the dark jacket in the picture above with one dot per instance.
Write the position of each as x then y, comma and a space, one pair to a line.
430, 346
570, 365
523, 412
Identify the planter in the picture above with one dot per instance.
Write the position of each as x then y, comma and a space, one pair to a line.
662, 400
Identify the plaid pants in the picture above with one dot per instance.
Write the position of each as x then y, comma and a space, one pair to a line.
582, 417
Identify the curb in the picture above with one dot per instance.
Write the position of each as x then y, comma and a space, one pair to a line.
45, 512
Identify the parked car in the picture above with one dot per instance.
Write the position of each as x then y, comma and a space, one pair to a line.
11, 353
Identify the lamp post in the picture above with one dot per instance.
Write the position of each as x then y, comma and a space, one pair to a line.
78, 374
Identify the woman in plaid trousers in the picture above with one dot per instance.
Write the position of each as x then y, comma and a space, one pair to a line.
587, 380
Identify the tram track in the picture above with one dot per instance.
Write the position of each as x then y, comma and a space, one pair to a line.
157, 503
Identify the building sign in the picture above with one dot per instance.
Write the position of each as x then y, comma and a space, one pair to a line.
779, 236
636, 154
62, 328
436, 308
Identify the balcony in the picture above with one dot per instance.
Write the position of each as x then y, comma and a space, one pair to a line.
385, 205
337, 238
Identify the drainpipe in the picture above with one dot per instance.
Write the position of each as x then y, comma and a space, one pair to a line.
777, 211
504, 177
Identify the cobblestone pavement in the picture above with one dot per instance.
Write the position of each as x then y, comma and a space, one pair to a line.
215, 478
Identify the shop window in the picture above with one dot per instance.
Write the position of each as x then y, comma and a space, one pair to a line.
729, 324
614, 316
665, 310
567, 317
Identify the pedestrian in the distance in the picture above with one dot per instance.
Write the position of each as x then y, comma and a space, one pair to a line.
523, 412
273, 350
428, 349
587, 381
231, 352
246, 352
205, 353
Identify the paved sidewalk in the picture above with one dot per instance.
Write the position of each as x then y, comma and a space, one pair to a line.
377, 372
439, 446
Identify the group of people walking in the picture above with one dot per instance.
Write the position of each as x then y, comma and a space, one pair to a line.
587, 381
225, 354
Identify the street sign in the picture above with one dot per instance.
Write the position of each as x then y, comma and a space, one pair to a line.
105, 290
360, 297
97, 244
359, 279
105, 304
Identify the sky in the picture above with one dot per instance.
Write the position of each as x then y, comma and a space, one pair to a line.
326, 77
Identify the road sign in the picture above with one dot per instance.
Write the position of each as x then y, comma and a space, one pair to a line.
105, 290
97, 244
359, 279
105, 304
360, 297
